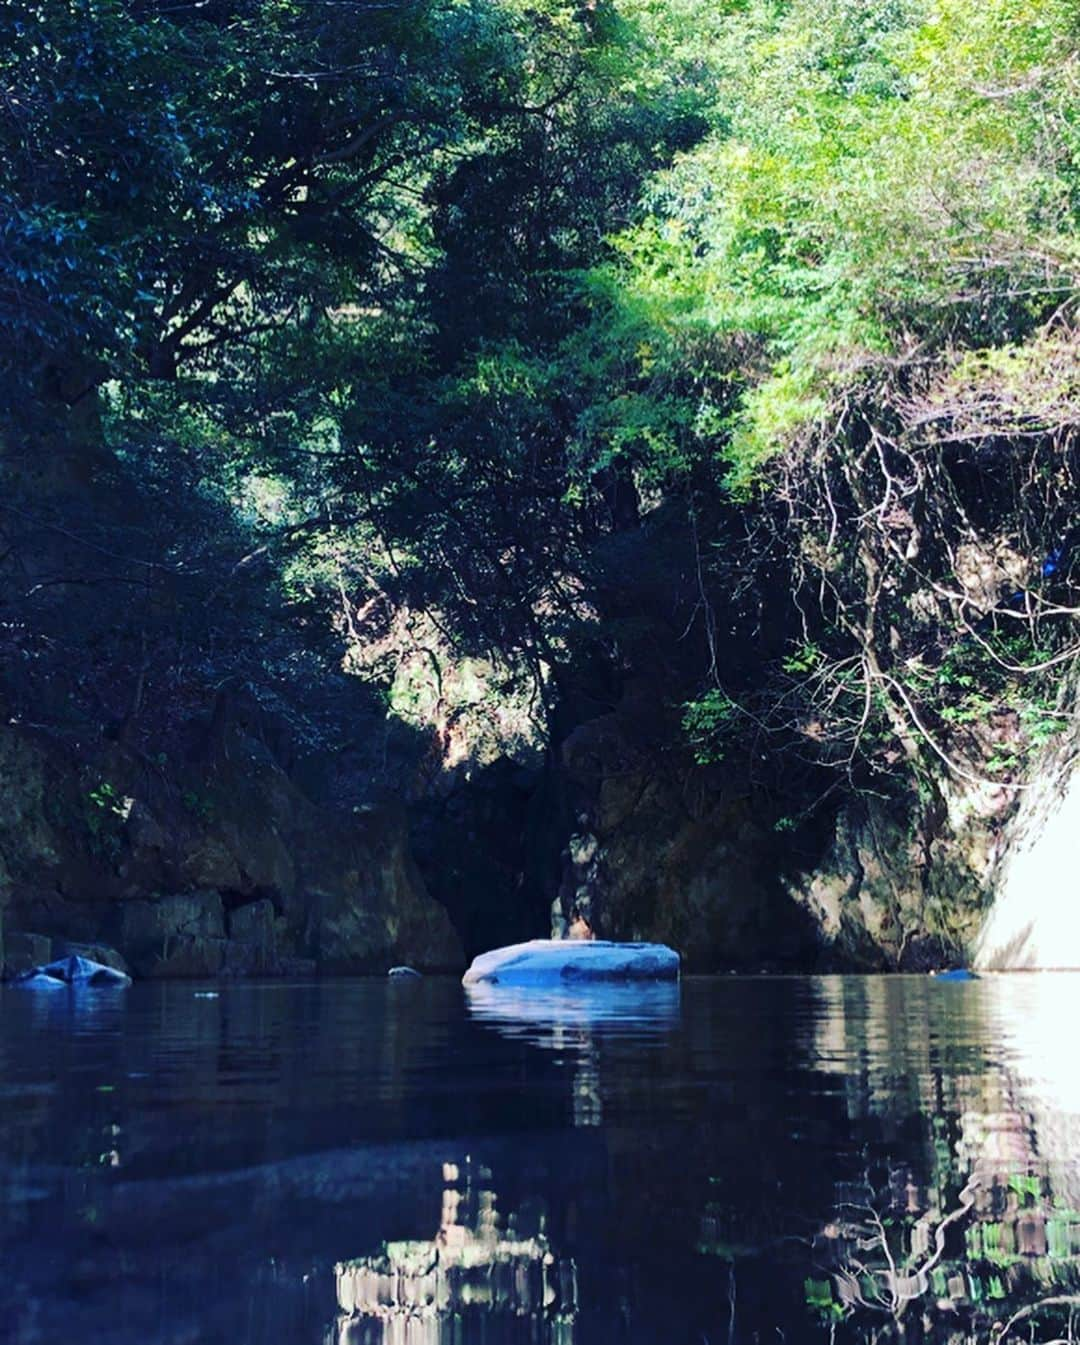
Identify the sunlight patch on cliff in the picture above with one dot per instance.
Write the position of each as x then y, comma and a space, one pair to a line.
1035, 921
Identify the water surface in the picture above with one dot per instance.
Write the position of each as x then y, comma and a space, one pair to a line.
732, 1160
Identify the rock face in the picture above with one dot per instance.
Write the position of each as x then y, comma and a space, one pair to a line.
662, 851
178, 935
987, 878
897, 888
569, 962
216, 864
23, 952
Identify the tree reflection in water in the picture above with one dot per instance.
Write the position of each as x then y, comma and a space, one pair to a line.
430, 1292
979, 1243
948, 1213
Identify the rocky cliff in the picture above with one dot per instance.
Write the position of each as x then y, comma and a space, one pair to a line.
190, 779
966, 869
216, 864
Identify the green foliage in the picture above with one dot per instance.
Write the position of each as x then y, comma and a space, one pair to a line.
711, 724
878, 175
183, 182
804, 659
104, 799
106, 810
1027, 1186
979, 679
197, 804
451, 308
820, 1301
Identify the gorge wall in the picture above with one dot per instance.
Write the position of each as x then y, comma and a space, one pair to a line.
217, 865
221, 864
176, 794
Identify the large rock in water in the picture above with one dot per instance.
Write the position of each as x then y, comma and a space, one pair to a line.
555, 962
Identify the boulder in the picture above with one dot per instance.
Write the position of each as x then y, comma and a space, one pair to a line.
561, 962
72, 971
92, 952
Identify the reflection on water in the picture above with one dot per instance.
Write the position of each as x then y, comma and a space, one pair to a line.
546, 1015
429, 1291
728, 1162
570, 1020
975, 1236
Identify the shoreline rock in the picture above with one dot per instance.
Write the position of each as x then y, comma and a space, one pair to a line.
72, 972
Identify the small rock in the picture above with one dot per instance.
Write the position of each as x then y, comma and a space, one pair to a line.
403, 972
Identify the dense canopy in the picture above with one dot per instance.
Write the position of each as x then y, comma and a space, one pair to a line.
735, 339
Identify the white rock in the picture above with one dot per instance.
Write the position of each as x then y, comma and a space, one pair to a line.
546, 962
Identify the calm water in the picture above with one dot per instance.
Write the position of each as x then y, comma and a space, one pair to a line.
735, 1160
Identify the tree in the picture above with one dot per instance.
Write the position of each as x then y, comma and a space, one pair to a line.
184, 180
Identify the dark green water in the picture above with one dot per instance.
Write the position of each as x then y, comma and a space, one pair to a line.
736, 1160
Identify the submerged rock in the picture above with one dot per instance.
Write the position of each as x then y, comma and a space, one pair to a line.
546, 962
71, 971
